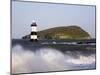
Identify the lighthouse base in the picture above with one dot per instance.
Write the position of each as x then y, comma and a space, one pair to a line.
33, 40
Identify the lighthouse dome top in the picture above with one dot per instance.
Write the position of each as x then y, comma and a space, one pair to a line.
33, 21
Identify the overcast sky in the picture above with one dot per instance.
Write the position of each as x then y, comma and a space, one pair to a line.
49, 15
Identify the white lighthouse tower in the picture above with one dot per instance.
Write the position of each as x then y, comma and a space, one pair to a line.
33, 36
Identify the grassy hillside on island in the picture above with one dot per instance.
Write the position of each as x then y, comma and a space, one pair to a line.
65, 32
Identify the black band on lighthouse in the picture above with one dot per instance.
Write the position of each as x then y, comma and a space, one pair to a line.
33, 33
33, 24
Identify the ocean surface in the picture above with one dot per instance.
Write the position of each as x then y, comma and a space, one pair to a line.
47, 56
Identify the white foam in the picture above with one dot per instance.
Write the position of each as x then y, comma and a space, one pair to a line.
45, 59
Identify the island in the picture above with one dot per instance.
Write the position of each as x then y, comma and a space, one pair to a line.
62, 32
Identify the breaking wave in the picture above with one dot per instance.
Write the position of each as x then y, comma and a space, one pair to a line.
48, 59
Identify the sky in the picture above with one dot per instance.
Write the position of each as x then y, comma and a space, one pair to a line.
49, 15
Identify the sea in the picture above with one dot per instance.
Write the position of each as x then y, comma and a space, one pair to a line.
52, 55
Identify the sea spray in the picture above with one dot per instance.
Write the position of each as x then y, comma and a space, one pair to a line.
48, 59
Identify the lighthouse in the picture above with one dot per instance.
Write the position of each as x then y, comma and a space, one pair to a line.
33, 36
